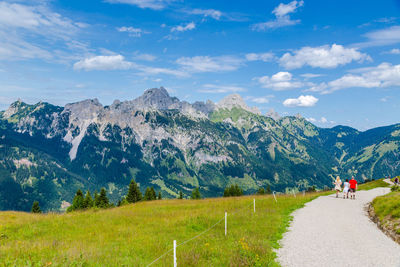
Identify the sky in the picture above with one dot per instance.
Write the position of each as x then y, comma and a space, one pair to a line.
334, 62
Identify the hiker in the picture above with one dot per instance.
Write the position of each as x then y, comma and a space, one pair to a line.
338, 186
353, 187
346, 189
396, 181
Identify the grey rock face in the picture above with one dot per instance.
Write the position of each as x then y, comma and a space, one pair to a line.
273, 114
235, 100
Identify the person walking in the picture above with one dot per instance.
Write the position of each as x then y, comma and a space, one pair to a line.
353, 187
338, 186
346, 189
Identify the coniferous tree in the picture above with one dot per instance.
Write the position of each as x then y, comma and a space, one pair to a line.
77, 202
134, 194
103, 199
233, 190
268, 190
96, 199
159, 195
196, 193
180, 195
261, 191
88, 201
153, 193
35, 207
148, 194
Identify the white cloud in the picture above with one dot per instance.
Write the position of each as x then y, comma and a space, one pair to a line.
145, 57
301, 101
260, 57
133, 32
394, 51
323, 120
382, 37
115, 62
282, 19
322, 57
310, 75
28, 32
210, 64
381, 76
152, 4
280, 81
146, 70
260, 99
217, 89
215, 14
188, 27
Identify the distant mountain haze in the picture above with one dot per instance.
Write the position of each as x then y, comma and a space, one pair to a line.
47, 152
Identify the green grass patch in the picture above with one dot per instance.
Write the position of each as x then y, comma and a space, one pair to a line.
373, 184
135, 235
387, 209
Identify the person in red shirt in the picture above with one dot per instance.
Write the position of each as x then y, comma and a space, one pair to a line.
353, 187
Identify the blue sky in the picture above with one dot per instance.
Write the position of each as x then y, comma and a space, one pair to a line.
334, 62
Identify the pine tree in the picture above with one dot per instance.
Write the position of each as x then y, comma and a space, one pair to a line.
147, 194
159, 195
268, 190
261, 191
103, 199
96, 199
180, 195
153, 193
77, 203
88, 201
35, 207
134, 194
196, 193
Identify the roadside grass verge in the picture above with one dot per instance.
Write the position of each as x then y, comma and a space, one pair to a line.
135, 235
387, 209
373, 184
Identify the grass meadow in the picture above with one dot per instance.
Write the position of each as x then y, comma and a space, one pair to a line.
137, 234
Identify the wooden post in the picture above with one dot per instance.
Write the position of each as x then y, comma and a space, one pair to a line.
254, 200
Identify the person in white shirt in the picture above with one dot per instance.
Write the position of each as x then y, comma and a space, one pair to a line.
346, 189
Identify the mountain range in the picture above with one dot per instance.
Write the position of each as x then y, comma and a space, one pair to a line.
47, 152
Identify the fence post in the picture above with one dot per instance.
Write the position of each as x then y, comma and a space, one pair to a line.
254, 200
175, 265
294, 194
274, 196
304, 193
226, 222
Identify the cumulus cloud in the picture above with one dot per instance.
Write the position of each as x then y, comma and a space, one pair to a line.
280, 81
282, 17
133, 32
210, 64
188, 27
151, 4
301, 101
322, 57
114, 62
260, 57
217, 89
310, 75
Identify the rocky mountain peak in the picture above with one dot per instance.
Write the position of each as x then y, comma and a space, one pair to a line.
273, 114
155, 98
235, 100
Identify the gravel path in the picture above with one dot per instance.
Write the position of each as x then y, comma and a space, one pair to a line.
337, 232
